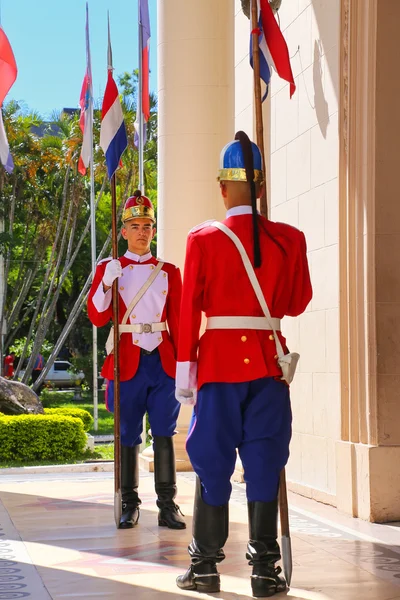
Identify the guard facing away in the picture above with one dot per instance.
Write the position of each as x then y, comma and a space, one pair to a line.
149, 293
245, 274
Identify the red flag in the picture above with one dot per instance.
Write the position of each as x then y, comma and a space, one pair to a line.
8, 66
86, 104
276, 45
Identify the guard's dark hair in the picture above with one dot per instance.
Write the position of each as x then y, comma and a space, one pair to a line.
247, 150
137, 194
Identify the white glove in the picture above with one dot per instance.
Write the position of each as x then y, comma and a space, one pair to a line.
113, 270
186, 396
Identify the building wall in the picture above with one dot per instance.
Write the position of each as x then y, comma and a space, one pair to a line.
302, 134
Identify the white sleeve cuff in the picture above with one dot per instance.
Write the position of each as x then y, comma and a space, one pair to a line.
101, 299
186, 396
186, 375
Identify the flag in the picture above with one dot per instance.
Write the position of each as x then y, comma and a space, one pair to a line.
8, 66
113, 138
8, 74
273, 49
86, 104
5, 156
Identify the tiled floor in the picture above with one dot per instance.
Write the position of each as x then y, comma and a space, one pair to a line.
58, 541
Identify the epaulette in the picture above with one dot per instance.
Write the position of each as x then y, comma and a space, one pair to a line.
104, 260
202, 225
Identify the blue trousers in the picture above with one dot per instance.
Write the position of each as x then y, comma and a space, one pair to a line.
254, 417
151, 390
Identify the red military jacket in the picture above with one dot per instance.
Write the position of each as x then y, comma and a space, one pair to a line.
160, 303
216, 283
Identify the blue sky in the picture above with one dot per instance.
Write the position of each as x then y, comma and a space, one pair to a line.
48, 40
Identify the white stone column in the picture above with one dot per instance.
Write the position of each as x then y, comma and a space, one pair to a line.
196, 119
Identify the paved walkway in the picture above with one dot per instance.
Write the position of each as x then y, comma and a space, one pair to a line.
58, 541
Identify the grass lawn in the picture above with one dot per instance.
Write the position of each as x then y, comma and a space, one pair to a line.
105, 451
101, 452
53, 399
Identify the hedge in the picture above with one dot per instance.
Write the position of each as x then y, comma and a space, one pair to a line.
28, 438
79, 413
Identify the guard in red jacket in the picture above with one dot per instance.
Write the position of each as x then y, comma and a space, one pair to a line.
149, 301
233, 370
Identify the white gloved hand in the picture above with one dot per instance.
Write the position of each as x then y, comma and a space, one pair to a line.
112, 272
186, 396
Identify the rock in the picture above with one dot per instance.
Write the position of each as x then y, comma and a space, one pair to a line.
17, 399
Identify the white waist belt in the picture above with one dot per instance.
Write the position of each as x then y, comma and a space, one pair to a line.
243, 323
143, 327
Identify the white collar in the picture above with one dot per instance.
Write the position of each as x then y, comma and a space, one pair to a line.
239, 210
137, 257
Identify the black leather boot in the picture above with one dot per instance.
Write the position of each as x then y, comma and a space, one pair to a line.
263, 550
165, 483
129, 487
210, 532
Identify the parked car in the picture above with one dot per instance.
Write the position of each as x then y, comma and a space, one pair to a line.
60, 375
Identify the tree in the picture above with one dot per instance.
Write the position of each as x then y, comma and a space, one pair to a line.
46, 210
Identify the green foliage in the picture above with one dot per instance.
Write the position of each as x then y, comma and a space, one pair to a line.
41, 437
45, 201
5, 241
19, 344
104, 451
53, 399
78, 413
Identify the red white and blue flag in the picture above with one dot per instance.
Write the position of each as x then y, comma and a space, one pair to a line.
273, 49
8, 74
86, 104
113, 138
5, 154
144, 25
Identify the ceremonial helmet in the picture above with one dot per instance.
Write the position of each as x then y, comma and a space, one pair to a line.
232, 165
241, 161
138, 207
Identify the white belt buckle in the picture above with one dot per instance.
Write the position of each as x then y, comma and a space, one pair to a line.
147, 328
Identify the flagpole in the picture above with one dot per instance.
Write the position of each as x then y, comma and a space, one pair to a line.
117, 429
115, 304
94, 261
93, 226
258, 101
139, 105
283, 501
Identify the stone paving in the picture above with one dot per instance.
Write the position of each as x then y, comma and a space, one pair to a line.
58, 541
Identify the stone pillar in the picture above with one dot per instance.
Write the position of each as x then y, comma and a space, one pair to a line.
368, 457
195, 121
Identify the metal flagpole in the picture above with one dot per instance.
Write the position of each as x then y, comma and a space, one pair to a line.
115, 304
117, 429
92, 222
141, 145
140, 106
283, 502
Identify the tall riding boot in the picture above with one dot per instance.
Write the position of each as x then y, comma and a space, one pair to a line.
210, 532
263, 550
129, 487
165, 483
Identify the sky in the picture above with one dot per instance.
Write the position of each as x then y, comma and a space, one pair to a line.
48, 40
